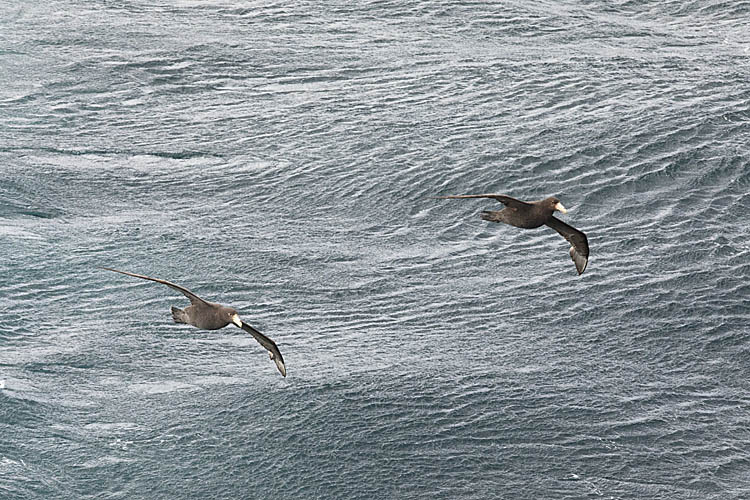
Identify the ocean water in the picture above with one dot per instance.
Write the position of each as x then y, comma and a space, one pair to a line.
280, 157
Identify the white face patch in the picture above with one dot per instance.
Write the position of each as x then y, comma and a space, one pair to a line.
236, 320
559, 206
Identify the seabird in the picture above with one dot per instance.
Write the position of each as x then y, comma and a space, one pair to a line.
530, 215
209, 316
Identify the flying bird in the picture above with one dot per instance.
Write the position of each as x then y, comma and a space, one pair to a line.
533, 214
209, 316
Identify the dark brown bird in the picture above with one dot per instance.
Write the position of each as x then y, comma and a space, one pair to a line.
209, 316
530, 215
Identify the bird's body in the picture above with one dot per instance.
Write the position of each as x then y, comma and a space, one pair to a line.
210, 316
526, 216
530, 215
207, 316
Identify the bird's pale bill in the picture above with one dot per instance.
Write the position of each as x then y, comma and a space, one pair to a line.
559, 207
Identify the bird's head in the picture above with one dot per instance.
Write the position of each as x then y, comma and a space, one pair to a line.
554, 204
233, 316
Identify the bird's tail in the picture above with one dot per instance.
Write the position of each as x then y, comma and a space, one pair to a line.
492, 216
179, 315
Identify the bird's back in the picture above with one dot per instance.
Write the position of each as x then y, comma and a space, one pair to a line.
528, 217
207, 316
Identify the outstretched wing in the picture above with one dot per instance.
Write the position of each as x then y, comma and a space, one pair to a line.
505, 200
270, 345
579, 250
187, 293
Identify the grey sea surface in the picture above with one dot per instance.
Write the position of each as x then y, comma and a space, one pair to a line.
279, 157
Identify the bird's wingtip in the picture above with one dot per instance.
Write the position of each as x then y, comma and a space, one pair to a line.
579, 260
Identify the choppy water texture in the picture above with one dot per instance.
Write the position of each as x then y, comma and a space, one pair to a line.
279, 158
